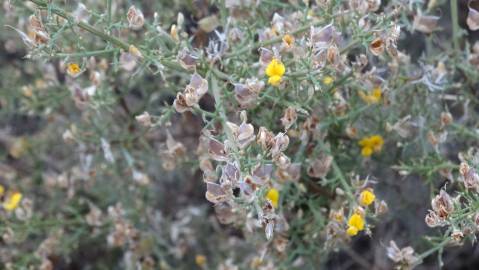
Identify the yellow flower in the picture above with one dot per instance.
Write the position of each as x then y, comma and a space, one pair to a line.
200, 260
73, 69
377, 142
356, 224
134, 51
275, 71
366, 151
12, 201
288, 40
367, 197
2, 190
273, 196
371, 144
352, 231
328, 80
274, 80
337, 215
373, 97
357, 221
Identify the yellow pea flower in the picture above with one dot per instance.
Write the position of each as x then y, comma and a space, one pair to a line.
366, 151
275, 71
367, 197
288, 40
356, 224
373, 97
12, 201
352, 231
134, 51
371, 144
273, 196
73, 69
357, 221
377, 142
274, 80
328, 80
200, 260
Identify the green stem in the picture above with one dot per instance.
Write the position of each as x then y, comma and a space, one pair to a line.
352, 44
83, 25
435, 248
455, 25
342, 180
222, 113
85, 54
108, 8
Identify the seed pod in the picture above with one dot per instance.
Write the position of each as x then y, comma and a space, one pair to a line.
359, 6
391, 48
187, 60
457, 236
217, 150
269, 228
282, 161
471, 179
476, 221
36, 30
230, 174
215, 193
244, 95
280, 243
180, 103
177, 149
442, 204
446, 119
245, 135
373, 5
377, 46
432, 138
320, 167
265, 138
405, 258
289, 117
128, 61
288, 172
280, 143
135, 17
351, 132
472, 18
425, 24
192, 94
144, 119
332, 55
380, 207
464, 168
288, 42
262, 173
